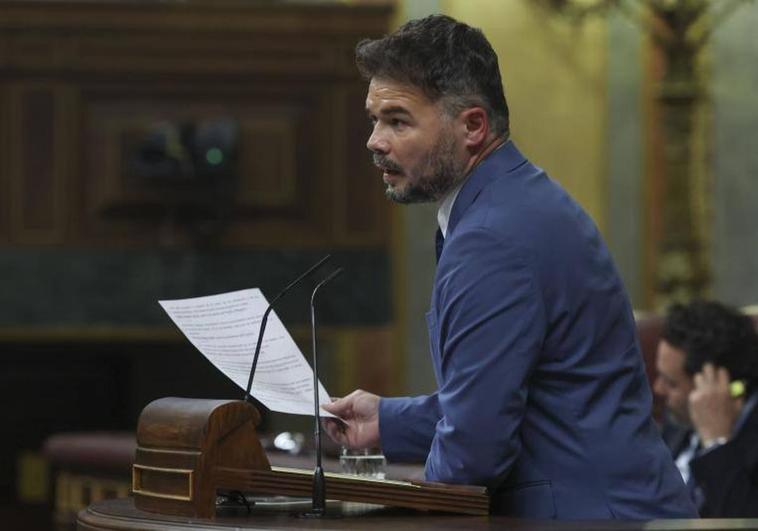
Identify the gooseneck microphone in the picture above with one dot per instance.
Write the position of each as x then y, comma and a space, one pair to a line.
319, 484
264, 319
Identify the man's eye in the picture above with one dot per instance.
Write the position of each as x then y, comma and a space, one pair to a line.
396, 122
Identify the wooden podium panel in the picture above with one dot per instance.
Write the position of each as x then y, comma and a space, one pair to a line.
121, 515
410, 494
189, 449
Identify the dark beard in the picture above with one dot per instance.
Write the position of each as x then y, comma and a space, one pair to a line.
441, 174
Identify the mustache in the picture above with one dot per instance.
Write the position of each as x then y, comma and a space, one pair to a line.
385, 163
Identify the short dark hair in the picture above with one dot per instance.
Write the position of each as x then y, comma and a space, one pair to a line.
446, 59
710, 332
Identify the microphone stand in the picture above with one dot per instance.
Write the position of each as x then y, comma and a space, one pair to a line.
318, 508
264, 319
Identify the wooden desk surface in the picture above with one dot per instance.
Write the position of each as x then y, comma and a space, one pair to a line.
115, 515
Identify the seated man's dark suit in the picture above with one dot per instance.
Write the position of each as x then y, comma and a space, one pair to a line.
724, 479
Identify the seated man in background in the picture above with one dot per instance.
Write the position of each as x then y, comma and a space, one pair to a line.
707, 363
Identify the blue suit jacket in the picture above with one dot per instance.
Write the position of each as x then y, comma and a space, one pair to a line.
542, 395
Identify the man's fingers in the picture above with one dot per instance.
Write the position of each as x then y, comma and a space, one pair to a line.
338, 407
336, 430
343, 407
335, 424
712, 377
722, 377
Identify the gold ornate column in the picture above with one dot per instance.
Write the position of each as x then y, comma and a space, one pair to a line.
680, 250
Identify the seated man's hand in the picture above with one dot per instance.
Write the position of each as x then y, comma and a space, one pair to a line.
712, 409
359, 424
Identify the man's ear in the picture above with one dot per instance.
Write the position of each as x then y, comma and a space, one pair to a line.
477, 127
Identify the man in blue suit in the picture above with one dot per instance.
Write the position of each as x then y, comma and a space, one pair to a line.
542, 395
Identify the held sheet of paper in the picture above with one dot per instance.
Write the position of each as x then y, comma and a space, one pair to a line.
225, 328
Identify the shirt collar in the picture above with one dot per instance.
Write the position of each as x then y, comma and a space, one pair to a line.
446, 206
505, 155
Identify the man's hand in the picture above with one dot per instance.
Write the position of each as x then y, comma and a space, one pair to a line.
712, 408
360, 412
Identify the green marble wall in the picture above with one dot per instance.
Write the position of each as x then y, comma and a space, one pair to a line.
626, 209
735, 158
81, 288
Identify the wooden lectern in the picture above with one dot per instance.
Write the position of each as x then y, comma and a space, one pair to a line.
187, 449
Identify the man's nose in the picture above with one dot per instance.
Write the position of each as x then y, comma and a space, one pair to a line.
377, 143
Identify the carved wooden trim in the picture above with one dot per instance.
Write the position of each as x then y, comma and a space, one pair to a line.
5, 169
297, 18
226, 36
37, 163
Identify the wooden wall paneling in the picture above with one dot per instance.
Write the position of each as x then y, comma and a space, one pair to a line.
338, 109
376, 366
267, 165
235, 37
5, 169
68, 162
284, 166
326, 194
79, 83
358, 358
304, 18
283, 71
205, 53
37, 164
365, 214
79, 389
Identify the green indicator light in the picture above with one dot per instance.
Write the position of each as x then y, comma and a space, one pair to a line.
214, 156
